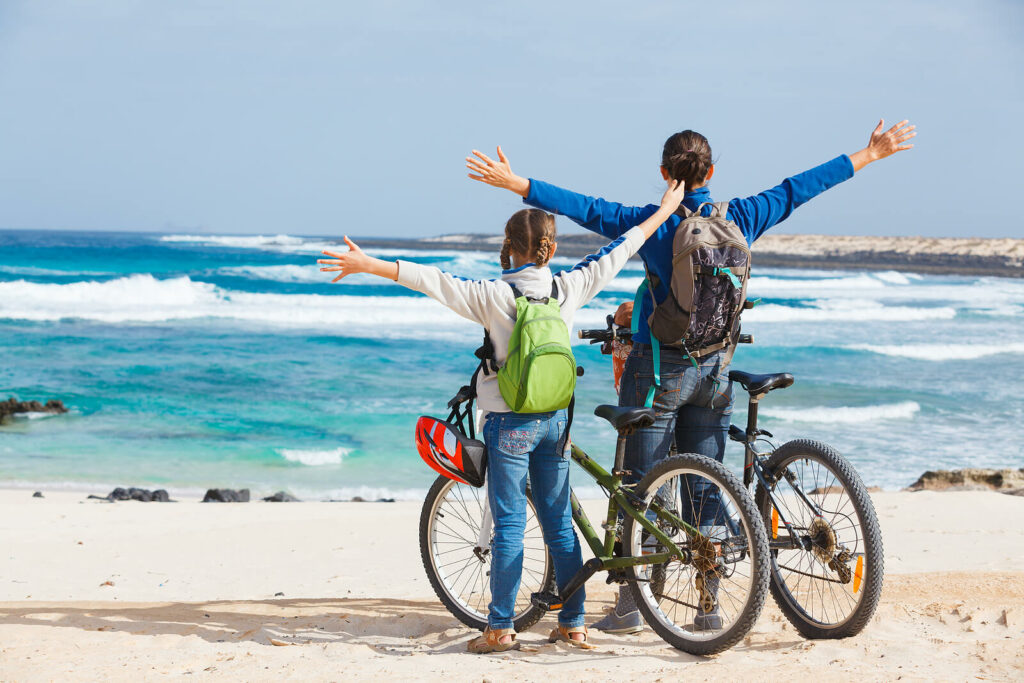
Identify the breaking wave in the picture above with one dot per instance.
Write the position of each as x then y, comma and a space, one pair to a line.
845, 415
285, 243
315, 458
941, 352
845, 311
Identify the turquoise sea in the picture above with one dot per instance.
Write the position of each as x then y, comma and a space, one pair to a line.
194, 361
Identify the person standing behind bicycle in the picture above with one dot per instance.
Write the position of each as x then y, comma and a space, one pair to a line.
521, 443
691, 404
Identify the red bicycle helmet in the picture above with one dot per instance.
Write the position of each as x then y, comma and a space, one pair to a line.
449, 452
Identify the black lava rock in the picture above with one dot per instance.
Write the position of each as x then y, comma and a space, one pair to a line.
281, 497
13, 406
37, 494
226, 496
142, 495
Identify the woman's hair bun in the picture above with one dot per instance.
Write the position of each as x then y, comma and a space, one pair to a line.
687, 157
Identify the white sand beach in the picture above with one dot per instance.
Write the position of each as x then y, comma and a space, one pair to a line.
123, 591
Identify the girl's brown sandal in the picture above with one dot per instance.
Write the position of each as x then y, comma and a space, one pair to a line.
565, 633
490, 641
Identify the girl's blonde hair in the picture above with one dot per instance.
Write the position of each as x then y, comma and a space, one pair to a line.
531, 233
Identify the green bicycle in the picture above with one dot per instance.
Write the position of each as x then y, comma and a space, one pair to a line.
688, 540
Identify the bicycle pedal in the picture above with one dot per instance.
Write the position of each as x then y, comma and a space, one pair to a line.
547, 601
616, 576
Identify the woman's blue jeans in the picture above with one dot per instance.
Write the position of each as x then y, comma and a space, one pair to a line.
693, 405
519, 445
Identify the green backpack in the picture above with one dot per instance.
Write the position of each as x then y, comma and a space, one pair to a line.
540, 373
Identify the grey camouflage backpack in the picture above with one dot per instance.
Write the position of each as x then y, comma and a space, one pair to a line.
710, 269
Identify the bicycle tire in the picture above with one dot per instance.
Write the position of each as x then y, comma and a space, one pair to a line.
747, 542
471, 609
786, 580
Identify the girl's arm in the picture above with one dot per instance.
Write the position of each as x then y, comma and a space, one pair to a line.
356, 261
595, 214
468, 298
756, 214
593, 273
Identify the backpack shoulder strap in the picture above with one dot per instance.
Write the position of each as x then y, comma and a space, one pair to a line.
723, 208
515, 291
684, 212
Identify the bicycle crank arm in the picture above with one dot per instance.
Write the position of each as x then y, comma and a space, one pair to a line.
549, 601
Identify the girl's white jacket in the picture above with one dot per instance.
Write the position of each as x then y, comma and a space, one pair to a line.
492, 304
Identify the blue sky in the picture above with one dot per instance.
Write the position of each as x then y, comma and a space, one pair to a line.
328, 117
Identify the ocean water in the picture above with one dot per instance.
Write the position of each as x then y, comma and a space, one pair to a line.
194, 361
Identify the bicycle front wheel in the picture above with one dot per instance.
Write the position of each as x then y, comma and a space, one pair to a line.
827, 580
707, 600
453, 522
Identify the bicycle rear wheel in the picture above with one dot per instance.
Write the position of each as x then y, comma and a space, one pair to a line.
708, 600
459, 569
830, 585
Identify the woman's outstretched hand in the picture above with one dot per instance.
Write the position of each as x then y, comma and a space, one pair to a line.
884, 143
497, 173
355, 261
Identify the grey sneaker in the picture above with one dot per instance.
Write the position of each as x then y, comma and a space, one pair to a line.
709, 620
613, 622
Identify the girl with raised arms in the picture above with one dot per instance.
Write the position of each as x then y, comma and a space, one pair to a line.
687, 407
529, 443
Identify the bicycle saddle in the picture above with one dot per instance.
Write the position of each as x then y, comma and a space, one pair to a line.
761, 384
626, 418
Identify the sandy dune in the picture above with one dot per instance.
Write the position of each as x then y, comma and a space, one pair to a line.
194, 594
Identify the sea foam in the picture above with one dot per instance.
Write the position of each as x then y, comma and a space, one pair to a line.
845, 414
942, 352
285, 243
315, 458
845, 311
145, 299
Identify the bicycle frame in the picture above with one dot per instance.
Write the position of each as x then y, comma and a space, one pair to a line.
753, 467
620, 499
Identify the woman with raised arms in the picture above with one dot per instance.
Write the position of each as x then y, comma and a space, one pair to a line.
688, 409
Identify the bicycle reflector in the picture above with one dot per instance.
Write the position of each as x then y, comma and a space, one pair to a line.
451, 453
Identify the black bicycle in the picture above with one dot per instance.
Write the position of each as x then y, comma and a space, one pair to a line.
824, 539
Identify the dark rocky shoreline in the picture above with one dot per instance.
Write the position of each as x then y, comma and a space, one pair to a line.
940, 256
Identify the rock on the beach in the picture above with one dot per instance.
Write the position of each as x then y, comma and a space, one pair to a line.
226, 496
37, 494
969, 479
13, 406
142, 495
281, 497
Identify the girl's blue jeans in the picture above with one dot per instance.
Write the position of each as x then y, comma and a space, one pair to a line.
519, 445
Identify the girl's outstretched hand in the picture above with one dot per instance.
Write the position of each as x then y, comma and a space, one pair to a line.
497, 173
669, 203
673, 194
355, 261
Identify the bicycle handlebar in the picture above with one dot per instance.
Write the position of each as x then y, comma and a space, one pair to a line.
623, 334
